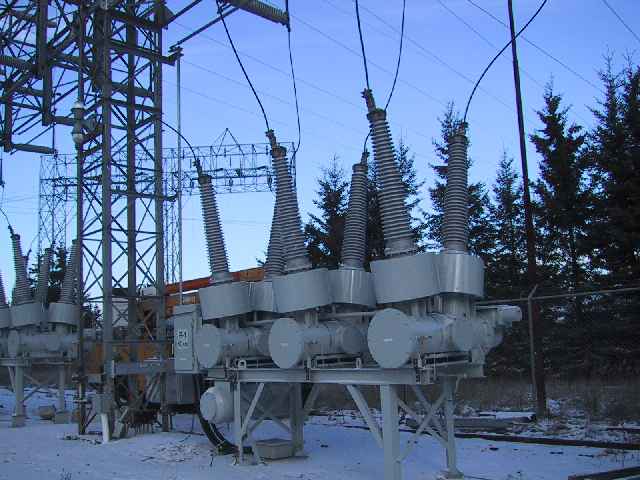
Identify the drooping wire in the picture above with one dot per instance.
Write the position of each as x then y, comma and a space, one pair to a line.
364, 55
246, 75
475, 87
395, 77
293, 78
537, 47
193, 152
625, 24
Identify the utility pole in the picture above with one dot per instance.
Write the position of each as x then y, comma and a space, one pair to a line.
535, 333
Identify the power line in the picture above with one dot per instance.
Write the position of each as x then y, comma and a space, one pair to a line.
395, 78
429, 54
293, 80
379, 67
302, 80
246, 75
484, 38
621, 20
540, 49
266, 94
466, 110
364, 54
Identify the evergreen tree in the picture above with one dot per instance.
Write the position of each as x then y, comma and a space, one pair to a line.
563, 208
56, 274
324, 233
507, 270
614, 235
505, 275
480, 229
563, 197
614, 153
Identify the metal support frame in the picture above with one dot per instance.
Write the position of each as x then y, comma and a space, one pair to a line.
18, 372
108, 56
435, 418
18, 417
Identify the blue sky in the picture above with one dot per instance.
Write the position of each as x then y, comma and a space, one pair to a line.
442, 58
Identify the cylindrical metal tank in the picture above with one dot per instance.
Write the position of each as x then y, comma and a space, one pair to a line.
213, 344
290, 341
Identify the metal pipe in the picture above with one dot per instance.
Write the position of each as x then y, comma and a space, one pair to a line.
179, 128
611, 291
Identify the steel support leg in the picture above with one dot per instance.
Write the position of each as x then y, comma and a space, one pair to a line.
452, 471
18, 418
237, 420
296, 416
390, 432
62, 414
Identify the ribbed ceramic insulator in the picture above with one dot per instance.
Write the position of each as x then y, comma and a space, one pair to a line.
69, 280
455, 226
295, 252
355, 229
274, 265
218, 261
43, 276
3, 297
22, 292
396, 224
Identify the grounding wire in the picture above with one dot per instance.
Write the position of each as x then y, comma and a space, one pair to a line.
364, 55
246, 75
293, 79
466, 110
395, 77
537, 47
625, 24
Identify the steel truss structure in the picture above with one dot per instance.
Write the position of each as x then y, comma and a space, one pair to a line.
96, 66
233, 167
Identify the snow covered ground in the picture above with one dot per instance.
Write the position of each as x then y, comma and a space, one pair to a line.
46, 451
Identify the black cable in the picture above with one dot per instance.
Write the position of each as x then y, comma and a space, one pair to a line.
395, 78
293, 77
364, 55
193, 152
235, 52
466, 110
621, 20
540, 49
